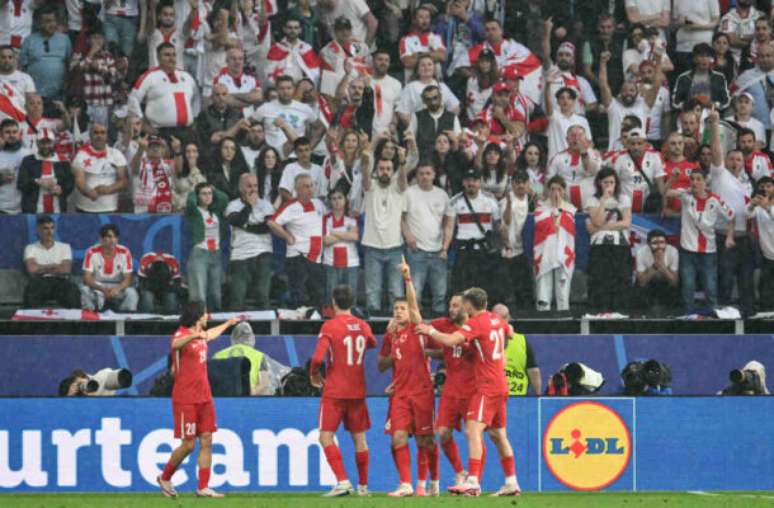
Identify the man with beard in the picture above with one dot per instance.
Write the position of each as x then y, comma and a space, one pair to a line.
473, 265
421, 40
100, 174
292, 56
45, 179
426, 124
354, 105
562, 75
641, 172
162, 22
628, 102
386, 93
11, 157
383, 204
739, 24
675, 160
254, 142
21, 81
756, 163
660, 114
343, 50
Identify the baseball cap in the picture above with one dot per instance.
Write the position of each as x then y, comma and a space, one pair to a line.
512, 73
46, 133
471, 173
635, 133
342, 23
501, 86
748, 95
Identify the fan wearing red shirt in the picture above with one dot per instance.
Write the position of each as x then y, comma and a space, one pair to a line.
412, 400
487, 410
192, 406
458, 387
344, 340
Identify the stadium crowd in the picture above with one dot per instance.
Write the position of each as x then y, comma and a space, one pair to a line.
357, 132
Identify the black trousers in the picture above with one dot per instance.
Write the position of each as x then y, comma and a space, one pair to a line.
610, 277
766, 285
519, 290
736, 264
305, 281
658, 293
42, 290
475, 268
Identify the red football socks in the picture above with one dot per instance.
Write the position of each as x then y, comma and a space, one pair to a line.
474, 468
169, 470
453, 454
333, 454
433, 458
402, 456
361, 459
204, 478
509, 466
483, 456
422, 463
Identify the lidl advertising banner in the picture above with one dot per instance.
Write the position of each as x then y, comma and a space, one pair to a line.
262, 444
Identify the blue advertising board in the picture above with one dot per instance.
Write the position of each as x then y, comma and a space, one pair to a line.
270, 444
700, 363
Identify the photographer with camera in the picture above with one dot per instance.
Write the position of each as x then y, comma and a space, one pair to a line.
104, 383
159, 276
575, 380
749, 380
646, 378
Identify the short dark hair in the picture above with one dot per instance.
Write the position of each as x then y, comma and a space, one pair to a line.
566, 89
744, 131
163, 46
7, 47
7, 122
763, 180
107, 228
282, 78
381, 51
343, 297
476, 297
520, 176
292, 17
192, 313
44, 219
430, 88
200, 186
556, 179
656, 233
703, 49
46, 9
301, 141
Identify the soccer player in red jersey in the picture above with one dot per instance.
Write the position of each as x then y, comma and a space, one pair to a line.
458, 387
412, 400
344, 340
192, 406
487, 410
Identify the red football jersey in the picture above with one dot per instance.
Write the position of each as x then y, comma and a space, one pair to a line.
411, 368
486, 332
191, 383
344, 339
460, 380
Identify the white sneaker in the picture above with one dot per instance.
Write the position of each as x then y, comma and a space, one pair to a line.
403, 490
467, 488
508, 490
166, 487
362, 491
343, 488
208, 492
435, 489
460, 478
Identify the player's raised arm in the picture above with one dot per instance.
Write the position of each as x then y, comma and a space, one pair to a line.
217, 331
415, 316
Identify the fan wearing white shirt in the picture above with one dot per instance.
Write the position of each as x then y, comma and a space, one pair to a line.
560, 120
424, 229
9, 73
657, 275
761, 209
743, 110
515, 209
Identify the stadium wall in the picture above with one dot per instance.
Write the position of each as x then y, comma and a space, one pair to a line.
269, 444
700, 363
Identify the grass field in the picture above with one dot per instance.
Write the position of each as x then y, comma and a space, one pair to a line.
279, 500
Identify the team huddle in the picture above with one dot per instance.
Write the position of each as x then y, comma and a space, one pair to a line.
470, 341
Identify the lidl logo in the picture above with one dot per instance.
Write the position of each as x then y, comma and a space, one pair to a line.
587, 446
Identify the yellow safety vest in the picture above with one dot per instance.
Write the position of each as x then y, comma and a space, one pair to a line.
252, 354
516, 365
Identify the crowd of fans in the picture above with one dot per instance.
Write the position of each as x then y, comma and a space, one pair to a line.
361, 131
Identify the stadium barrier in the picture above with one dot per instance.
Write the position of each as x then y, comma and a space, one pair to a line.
265, 444
700, 363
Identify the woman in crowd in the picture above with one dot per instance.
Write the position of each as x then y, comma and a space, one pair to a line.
187, 176
479, 87
610, 259
491, 161
268, 170
227, 166
532, 160
343, 167
450, 163
207, 227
